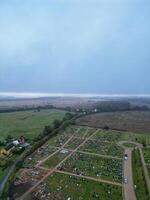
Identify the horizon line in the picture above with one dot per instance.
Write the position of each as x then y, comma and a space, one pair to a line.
42, 94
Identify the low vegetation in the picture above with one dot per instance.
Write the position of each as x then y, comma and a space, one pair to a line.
27, 123
138, 176
62, 187
94, 166
134, 121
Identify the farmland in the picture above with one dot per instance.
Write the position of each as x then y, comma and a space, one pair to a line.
80, 158
27, 123
134, 121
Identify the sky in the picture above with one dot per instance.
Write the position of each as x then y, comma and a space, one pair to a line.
75, 46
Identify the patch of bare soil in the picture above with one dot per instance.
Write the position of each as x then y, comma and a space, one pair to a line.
135, 121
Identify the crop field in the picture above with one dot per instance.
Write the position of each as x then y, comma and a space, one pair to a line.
61, 187
27, 123
134, 121
82, 163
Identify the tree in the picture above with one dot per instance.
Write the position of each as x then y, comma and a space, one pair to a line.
68, 116
56, 123
9, 139
47, 130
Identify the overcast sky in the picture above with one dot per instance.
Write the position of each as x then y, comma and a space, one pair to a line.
75, 46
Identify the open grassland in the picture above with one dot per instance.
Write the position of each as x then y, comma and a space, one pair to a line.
134, 121
138, 176
62, 187
27, 123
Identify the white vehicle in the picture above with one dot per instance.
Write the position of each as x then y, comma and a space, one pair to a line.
125, 180
125, 157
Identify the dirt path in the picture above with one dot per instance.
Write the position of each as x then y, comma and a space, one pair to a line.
90, 178
42, 161
55, 168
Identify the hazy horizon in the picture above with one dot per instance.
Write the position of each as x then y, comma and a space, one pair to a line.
63, 46
38, 95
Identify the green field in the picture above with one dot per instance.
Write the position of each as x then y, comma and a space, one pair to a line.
63, 187
27, 123
138, 176
146, 153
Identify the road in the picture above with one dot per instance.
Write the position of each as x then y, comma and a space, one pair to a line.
5, 179
127, 166
128, 189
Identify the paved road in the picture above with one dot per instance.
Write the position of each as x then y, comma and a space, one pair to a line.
129, 193
139, 146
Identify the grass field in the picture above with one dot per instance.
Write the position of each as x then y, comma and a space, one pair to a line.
27, 123
63, 187
138, 176
146, 153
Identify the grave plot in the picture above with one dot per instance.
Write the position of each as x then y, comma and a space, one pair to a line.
25, 179
108, 136
65, 187
70, 130
146, 153
103, 148
83, 132
74, 142
56, 158
40, 154
58, 140
94, 166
